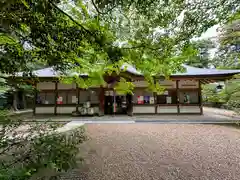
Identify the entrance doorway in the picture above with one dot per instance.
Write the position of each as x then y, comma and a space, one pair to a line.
121, 105
108, 104
115, 105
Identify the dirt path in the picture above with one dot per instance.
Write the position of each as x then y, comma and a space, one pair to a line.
154, 151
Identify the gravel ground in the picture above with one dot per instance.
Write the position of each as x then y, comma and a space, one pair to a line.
154, 151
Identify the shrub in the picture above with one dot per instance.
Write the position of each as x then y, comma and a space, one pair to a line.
27, 150
234, 102
229, 96
210, 95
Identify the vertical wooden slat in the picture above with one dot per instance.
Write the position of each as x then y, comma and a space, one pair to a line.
177, 89
56, 97
200, 97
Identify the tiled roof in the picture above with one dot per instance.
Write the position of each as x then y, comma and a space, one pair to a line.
190, 71
193, 71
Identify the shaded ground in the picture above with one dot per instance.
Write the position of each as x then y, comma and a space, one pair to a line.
154, 151
210, 115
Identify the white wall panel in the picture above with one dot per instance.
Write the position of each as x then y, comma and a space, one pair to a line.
190, 109
65, 110
45, 110
167, 109
143, 109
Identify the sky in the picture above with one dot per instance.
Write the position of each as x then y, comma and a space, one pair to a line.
210, 33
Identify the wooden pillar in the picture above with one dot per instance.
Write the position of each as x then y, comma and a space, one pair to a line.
77, 96
155, 97
34, 97
129, 104
200, 96
114, 102
178, 99
101, 101
56, 97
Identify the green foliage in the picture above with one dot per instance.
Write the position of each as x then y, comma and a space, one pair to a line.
234, 102
124, 87
211, 95
93, 38
87, 37
229, 95
228, 56
36, 149
202, 58
232, 87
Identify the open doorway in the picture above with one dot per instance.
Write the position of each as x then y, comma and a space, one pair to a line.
108, 105
115, 104
121, 105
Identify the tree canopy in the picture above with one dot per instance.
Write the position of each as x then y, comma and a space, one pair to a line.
100, 35
227, 55
202, 59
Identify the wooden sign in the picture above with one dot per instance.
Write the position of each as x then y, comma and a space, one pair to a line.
168, 84
188, 84
140, 83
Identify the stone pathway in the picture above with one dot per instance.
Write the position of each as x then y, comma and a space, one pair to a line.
223, 112
70, 126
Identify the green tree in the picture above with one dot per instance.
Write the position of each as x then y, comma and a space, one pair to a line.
202, 58
231, 92
227, 56
94, 37
98, 36
212, 96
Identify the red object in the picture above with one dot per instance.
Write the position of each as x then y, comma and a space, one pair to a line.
58, 101
140, 100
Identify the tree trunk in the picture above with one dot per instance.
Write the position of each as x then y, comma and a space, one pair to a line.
15, 99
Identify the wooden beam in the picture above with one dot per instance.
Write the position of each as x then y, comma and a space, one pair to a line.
204, 81
201, 77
